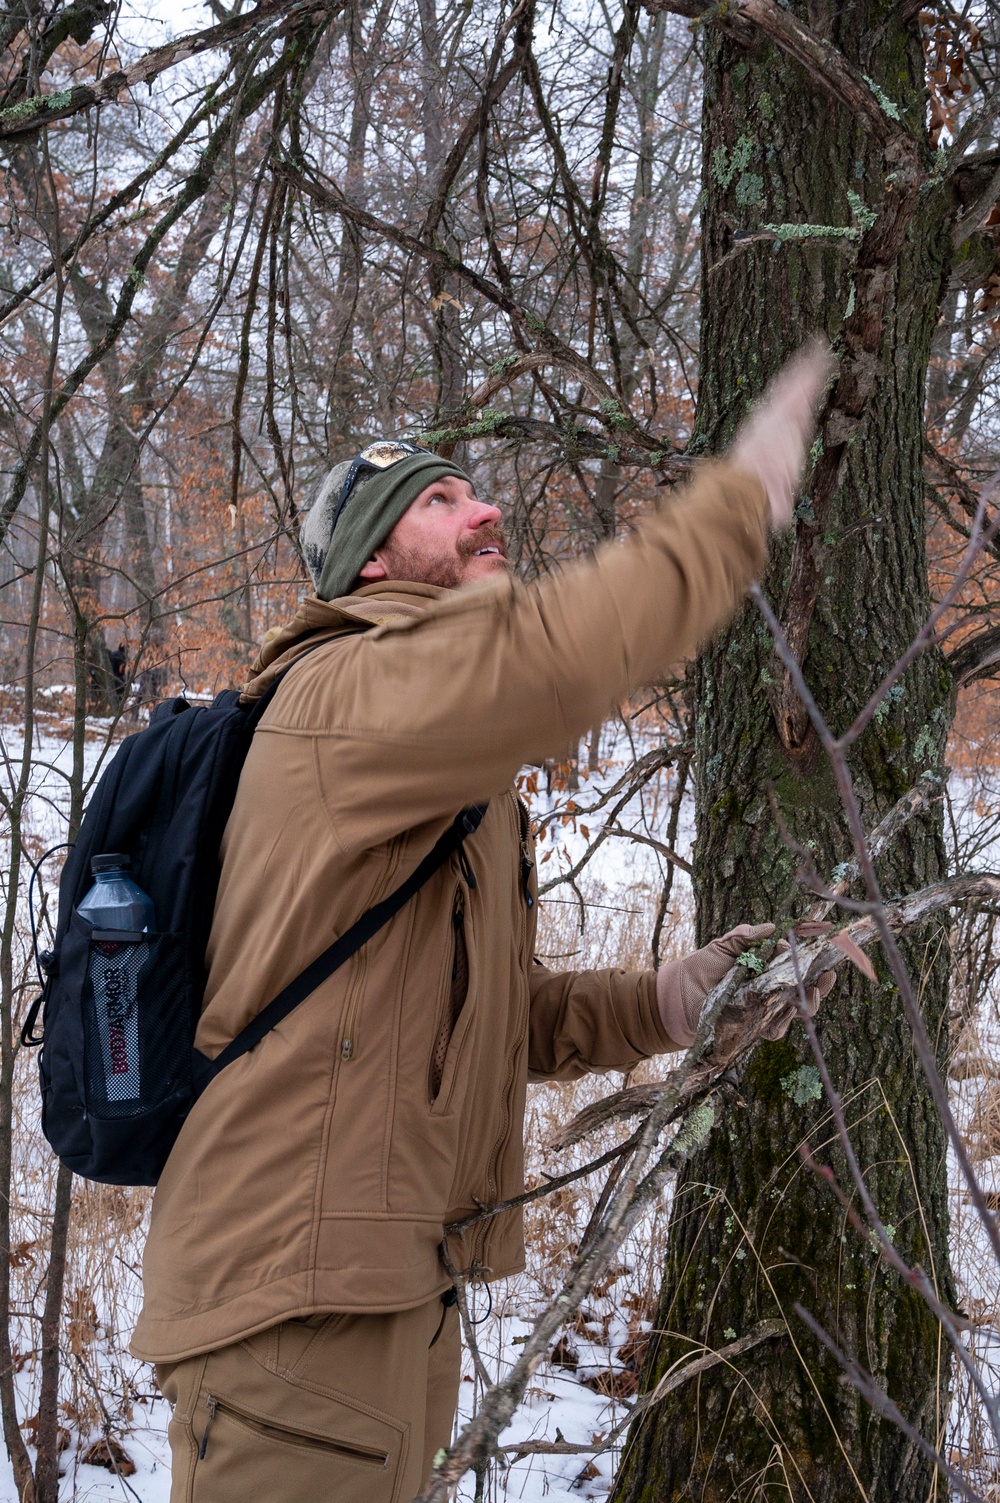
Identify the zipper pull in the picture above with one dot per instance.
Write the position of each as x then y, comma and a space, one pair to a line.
527, 867
212, 1405
345, 1049
527, 860
467, 871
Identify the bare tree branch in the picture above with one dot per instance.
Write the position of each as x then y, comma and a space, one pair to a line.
828, 68
43, 110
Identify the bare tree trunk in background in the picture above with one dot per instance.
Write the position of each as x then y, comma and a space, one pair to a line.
751, 1231
47, 1467
643, 81
445, 292
13, 1439
132, 398
365, 56
45, 1440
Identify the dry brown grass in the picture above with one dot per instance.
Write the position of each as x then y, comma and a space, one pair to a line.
102, 1384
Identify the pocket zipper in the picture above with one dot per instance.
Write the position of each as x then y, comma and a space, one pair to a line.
288, 1437
457, 938
350, 1017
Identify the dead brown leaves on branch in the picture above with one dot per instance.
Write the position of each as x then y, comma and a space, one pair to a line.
949, 42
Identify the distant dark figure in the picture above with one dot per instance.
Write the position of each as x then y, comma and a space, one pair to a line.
119, 671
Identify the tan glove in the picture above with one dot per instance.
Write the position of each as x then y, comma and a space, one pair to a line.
781, 1023
773, 440
821, 987
682, 985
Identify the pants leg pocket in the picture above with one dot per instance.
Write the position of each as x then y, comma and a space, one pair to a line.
266, 1437
180, 1384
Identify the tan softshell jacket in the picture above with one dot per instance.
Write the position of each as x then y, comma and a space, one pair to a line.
315, 1173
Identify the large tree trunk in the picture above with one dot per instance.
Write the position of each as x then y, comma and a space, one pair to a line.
752, 1230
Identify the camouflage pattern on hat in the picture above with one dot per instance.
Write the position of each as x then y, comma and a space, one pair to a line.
317, 529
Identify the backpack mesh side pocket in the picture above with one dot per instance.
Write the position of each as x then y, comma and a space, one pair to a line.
137, 1052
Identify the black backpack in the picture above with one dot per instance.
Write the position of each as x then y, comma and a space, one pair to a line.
164, 800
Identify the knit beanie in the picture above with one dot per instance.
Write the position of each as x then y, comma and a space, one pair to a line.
338, 541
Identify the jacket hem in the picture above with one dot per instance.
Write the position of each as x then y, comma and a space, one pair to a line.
175, 1338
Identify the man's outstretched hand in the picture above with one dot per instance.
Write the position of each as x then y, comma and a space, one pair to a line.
682, 985
773, 441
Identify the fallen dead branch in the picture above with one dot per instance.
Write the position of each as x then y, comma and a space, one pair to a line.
761, 1004
742, 1010
672, 1380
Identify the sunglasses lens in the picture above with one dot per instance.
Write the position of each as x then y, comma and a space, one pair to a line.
386, 453
378, 456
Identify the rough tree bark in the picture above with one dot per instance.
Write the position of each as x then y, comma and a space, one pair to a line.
752, 1231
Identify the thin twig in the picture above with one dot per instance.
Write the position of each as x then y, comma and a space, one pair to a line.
882, 1404
925, 1052
675, 1378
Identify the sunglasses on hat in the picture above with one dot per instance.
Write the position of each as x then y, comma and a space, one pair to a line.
381, 455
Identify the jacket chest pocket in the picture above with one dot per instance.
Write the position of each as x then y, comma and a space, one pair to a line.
452, 1025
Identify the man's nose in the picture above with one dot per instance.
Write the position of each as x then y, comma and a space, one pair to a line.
485, 515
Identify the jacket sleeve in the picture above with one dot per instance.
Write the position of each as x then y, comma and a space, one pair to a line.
419, 717
582, 1021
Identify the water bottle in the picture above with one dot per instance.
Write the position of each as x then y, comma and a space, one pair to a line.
117, 904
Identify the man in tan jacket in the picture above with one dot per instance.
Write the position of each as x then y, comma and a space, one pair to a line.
293, 1280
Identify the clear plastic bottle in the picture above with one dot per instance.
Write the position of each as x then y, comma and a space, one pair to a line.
118, 905
115, 901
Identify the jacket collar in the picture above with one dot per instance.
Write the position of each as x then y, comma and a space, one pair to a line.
321, 620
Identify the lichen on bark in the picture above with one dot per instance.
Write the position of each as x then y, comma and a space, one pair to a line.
752, 1230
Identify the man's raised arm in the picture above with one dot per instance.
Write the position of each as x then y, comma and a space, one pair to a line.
431, 713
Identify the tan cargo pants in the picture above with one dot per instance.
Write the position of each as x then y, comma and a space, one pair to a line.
330, 1409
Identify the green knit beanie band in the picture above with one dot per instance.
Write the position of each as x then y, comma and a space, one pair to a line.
339, 541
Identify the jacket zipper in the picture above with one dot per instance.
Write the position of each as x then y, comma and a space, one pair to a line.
457, 938
212, 1404
527, 859
457, 924
347, 1042
290, 1437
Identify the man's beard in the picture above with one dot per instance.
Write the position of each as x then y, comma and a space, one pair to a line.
448, 573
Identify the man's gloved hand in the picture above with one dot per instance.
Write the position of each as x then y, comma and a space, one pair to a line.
773, 440
682, 985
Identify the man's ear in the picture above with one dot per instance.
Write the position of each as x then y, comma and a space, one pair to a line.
374, 570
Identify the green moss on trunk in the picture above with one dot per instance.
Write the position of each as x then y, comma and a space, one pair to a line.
752, 1230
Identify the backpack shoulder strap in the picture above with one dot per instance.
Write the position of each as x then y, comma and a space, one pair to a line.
334, 956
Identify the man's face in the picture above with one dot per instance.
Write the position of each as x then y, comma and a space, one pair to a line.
445, 537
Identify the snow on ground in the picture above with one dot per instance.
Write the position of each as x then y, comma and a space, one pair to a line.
560, 1404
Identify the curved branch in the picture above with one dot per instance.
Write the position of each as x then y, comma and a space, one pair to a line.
535, 360
977, 657
44, 109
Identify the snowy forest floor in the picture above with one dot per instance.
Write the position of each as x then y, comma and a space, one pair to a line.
584, 1391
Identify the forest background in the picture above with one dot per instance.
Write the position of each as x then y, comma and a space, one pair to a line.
567, 244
